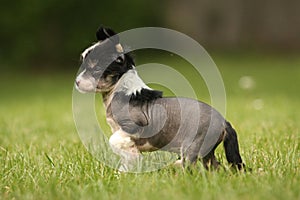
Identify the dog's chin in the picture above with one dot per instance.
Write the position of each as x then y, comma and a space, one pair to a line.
85, 90
91, 90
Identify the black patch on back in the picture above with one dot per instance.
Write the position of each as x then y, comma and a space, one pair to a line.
145, 96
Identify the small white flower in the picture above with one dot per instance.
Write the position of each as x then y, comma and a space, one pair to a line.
246, 82
258, 104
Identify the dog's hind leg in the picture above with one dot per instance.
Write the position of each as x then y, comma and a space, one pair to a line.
190, 154
210, 161
123, 146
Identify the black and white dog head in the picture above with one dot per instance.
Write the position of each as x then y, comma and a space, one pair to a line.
103, 63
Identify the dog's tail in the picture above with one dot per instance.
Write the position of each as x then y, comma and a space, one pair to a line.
231, 146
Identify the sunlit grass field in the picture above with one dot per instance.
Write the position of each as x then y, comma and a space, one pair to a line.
42, 157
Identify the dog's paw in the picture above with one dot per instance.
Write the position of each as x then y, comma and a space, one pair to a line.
178, 163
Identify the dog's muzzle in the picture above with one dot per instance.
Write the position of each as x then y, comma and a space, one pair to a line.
85, 84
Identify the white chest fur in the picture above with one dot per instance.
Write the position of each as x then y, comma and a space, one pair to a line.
130, 83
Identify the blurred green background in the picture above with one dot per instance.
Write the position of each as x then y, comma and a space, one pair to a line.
255, 44
49, 35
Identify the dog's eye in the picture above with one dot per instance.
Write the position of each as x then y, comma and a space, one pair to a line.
119, 60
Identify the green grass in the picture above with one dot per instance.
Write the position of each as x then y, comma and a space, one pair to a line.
42, 157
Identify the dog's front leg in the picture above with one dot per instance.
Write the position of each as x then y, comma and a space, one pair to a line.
122, 145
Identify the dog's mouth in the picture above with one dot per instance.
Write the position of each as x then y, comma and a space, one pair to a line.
78, 89
85, 85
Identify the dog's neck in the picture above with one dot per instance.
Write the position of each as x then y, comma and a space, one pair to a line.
129, 84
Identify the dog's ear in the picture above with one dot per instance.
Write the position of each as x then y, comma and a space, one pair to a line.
104, 33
